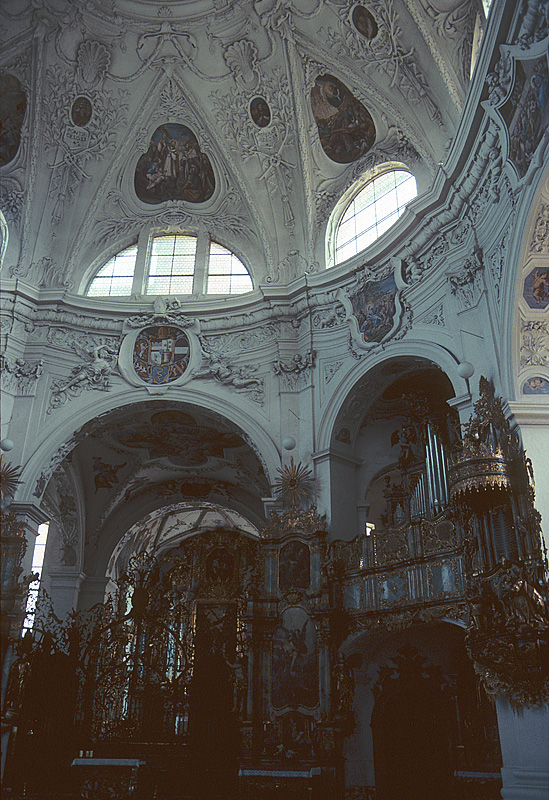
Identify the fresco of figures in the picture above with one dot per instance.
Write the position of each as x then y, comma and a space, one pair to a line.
374, 308
536, 288
526, 112
346, 129
174, 168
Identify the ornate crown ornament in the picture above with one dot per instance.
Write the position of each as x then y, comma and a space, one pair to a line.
488, 447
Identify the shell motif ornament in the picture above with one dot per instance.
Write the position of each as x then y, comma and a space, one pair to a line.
93, 61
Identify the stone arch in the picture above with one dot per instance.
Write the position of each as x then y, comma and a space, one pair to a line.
389, 666
422, 351
62, 436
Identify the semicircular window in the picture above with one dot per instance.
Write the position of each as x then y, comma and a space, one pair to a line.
174, 168
346, 129
180, 264
116, 277
372, 211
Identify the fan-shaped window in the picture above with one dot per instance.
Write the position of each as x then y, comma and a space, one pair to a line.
116, 277
172, 264
372, 211
226, 274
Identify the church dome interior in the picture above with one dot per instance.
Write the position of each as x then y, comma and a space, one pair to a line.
275, 399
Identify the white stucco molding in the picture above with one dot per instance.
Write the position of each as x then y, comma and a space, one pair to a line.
531, 413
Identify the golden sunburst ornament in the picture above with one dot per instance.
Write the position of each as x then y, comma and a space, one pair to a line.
9, 478
295, 483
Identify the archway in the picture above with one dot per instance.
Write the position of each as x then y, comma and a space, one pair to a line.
411, 740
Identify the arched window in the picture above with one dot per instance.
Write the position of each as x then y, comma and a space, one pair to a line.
116, 277
172, 264
372, 211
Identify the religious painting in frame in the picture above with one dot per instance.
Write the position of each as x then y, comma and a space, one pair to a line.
294, 667
294, 566
161, 354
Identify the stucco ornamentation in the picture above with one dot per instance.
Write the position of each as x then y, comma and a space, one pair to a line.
467, 285
95, 374
243, 379
20, 376
299, 367
540, 236
534, 343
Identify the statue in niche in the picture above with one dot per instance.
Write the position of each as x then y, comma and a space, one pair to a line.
345, 127
174, 168
344, 685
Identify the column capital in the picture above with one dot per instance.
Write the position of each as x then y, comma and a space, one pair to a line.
32, 511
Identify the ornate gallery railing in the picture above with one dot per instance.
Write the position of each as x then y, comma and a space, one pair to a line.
411, 571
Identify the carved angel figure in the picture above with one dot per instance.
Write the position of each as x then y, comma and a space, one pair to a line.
97, 372
93, 375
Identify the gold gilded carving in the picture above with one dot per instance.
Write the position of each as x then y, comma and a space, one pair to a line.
391, 545
294, 520
438, 536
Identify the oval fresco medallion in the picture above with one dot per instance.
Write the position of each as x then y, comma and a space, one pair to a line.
81, 111
364, 22
13, 104
161, 354
536, 385
346, 129
260, 112
174, 168
536, 288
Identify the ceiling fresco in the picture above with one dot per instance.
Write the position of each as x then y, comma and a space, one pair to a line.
250, 118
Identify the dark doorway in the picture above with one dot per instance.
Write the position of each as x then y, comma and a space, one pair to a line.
411, 735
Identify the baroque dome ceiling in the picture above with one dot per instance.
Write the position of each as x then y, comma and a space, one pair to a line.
282, 105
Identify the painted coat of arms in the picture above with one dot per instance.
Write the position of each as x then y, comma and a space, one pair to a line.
161, 354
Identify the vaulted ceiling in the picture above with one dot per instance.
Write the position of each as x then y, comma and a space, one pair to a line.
240, 79
140, 458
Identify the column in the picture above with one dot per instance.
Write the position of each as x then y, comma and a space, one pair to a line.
533, 421
524, 737
94, 590
64, 590
336, 475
